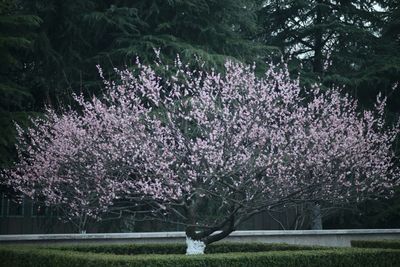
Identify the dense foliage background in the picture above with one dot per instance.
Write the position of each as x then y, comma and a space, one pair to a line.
49, 49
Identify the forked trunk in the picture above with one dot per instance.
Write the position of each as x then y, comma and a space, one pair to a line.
194, 247
196, 242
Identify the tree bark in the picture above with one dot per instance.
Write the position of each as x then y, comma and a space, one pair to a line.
318, 64
316, 217
198, 240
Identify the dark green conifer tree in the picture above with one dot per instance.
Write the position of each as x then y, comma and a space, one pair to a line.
16, 96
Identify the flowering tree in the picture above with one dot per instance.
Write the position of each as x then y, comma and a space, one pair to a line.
346, 155
66, 161
207, 149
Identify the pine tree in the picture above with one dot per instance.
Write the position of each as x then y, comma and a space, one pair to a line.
16, 35
333, 40
77, 35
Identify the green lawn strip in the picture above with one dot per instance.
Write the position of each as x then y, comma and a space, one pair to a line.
34, 257
392, 244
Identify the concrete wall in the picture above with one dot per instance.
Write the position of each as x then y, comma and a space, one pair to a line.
337, 238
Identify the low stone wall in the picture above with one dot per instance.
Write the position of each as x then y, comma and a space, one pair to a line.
336, 238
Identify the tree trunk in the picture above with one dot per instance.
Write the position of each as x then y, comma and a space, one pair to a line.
316, 217
197, 241
194, 247
318, 63
82, 224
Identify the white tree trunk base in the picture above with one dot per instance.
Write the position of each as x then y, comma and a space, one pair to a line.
194, 247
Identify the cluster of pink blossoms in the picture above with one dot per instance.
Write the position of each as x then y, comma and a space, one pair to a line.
250, 143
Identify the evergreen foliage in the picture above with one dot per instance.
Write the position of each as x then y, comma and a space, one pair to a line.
16, 40
77, 35
347, 42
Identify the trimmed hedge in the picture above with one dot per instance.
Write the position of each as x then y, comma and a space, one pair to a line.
355, 257
136, 249
392, 244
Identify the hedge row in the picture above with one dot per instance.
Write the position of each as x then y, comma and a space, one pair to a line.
392, 244
355, 257
136, 249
